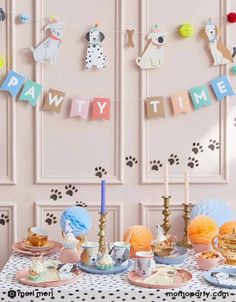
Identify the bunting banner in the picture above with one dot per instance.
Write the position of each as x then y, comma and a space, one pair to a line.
155, 107
182, 101
101, 108
54, 100
79, 107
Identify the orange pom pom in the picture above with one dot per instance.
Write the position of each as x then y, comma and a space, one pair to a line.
227, 227
139, 237
202, 229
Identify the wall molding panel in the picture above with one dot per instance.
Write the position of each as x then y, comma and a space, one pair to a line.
41, 177
145, 177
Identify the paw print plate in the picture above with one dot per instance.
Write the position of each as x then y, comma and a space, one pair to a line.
18, 247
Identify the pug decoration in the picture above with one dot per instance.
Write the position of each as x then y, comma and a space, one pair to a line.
153, 55
95, 55
49, 48
219, 52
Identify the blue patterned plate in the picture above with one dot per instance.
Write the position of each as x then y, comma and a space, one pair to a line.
117, 269
177, 258
221, 277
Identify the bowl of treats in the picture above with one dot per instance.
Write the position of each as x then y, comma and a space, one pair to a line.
207, 260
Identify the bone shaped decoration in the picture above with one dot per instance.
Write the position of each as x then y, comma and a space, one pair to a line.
130, 33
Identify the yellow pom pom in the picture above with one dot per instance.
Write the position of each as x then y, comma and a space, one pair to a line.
2, 62
186, 30
52, 18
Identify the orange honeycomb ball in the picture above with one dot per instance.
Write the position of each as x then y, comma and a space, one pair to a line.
139, 237
202, 229
227, 227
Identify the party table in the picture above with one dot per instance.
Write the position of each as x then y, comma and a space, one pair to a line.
106, 288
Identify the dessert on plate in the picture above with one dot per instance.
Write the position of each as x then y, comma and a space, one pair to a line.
37, 270
105, 262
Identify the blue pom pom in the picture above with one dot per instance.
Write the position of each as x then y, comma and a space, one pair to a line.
80, 220
24, 18
216, 209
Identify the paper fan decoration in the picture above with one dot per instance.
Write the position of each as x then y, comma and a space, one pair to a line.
139, 237
216, 209
202, 229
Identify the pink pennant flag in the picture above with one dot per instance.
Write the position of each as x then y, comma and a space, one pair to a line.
79, 107
181, 102
101, 108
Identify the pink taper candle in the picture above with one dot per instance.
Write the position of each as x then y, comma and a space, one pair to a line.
166, 181
186, 182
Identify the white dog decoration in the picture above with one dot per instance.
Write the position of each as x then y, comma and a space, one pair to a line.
95, 54
220, 53
48, 49
153, 55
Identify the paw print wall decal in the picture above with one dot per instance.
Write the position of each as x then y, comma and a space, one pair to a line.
100, 172
155, 165
192, 162
197, 148
81, 204
4, 219
213, 145
70, 190
55, 194
173, 159
130, 161
50, 219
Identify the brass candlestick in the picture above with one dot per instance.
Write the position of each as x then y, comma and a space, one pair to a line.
102, 233
166, 213
185, 241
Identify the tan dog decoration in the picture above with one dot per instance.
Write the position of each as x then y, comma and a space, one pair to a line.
153, 55
220, 53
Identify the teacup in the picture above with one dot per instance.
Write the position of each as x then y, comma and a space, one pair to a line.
37, 236
144, 263
90, 253
120, 252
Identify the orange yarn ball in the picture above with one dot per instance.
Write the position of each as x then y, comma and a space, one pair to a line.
202, 229
227, 227
139, 237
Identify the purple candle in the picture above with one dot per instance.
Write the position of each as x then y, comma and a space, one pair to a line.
103, 197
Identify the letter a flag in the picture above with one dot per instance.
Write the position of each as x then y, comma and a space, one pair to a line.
31, 92
155, 107
101, 108
54, 100
79, 107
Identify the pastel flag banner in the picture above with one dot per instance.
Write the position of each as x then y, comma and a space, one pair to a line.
181, 102
79, 107
54, 100
101, 108
13, 83
222, 87
155, 107
31, 92
200, 96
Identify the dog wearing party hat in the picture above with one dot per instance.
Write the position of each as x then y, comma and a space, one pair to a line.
153, 55
49, 48
220, 53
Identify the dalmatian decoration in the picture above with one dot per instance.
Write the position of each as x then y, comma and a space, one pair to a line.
120, 255
49, 48
66, 270
153, 55
219, 52
95, 55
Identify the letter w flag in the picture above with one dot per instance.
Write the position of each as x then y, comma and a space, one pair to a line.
54, 100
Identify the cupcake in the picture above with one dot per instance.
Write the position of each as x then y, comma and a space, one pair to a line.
105, 263
37, 271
